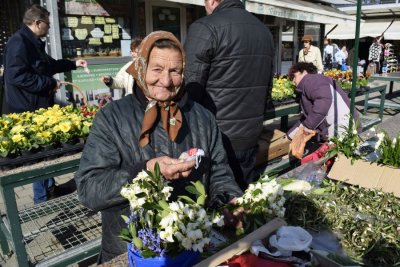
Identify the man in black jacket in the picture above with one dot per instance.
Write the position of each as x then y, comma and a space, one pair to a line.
229, 69
28, 72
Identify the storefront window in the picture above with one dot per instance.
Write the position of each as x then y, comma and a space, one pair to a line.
167, 19
92, 28
287, 46
315, 31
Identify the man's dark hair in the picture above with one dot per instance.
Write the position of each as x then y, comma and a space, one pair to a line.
35, 12
300, 67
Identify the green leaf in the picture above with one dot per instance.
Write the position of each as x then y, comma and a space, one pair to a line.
201, 200
200, 187
191, 189
140, 195
188, 199
149, 206
138, 242
125, 218
319, 191
125, 235
148, 254
163, 204
125, 238
164, 213
157, 173
150, 174
132, 229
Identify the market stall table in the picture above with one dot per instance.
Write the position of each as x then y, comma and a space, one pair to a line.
282, 112
391, 77
60, 231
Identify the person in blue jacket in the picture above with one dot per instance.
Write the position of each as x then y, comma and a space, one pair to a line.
28, 72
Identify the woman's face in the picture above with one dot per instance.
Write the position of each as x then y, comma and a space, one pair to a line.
298, 76
306, 44
164, 72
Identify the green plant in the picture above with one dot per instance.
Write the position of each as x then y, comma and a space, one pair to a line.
388, 150
156, 226
262, 201
282, 88
346, 143
366, 221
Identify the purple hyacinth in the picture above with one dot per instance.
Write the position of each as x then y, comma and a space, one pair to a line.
132, 218
151, 240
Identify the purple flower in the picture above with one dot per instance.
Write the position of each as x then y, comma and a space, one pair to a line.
151, 240
132, 218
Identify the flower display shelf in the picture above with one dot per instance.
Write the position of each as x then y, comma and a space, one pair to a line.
34, 157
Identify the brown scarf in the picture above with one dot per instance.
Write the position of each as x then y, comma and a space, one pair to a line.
171, 115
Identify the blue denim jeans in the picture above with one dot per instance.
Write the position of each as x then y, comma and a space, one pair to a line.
40, 189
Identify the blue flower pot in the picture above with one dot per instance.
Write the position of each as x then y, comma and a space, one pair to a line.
187, 258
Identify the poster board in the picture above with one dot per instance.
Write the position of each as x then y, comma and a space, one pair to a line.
91, 85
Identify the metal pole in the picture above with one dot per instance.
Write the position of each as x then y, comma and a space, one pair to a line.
355, 64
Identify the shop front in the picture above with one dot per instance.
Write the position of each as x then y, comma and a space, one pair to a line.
100, 31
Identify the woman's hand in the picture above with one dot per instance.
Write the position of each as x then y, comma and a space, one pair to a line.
233, 219
81, 63
308, 131
172, 168
106, 79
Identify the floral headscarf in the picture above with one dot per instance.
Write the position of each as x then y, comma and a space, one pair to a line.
171, 115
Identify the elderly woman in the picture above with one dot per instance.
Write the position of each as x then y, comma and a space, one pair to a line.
324, 105
154, 124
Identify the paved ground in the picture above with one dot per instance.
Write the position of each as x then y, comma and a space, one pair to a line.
24, 193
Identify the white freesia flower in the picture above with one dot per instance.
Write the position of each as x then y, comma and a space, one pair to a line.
187, 243
179, 236
201, 214
377, 145
174, 206
219, 220
197, 247
380, 136
183, 225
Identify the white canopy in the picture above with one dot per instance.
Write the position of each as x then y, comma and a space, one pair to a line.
291, 9
368, 28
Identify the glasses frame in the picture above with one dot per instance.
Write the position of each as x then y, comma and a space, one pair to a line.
44, 21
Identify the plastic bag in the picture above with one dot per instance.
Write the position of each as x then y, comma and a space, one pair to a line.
299, 142
193, 154
291, 238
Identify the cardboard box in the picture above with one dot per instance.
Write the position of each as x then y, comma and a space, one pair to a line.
242, 245
324, 261
366, 174
271, 144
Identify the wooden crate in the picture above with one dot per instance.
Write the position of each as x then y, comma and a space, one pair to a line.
272, 143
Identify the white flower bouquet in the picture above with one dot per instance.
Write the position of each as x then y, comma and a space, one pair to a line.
262, 201
158, 227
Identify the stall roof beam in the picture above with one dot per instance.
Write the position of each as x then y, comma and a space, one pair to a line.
299, 10
290, 9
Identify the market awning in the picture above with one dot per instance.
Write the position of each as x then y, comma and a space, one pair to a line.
370, 28
299, 10
290, 9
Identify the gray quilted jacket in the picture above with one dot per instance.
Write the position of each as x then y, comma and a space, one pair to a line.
112, 157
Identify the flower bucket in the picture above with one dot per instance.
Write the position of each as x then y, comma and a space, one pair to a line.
184, 259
